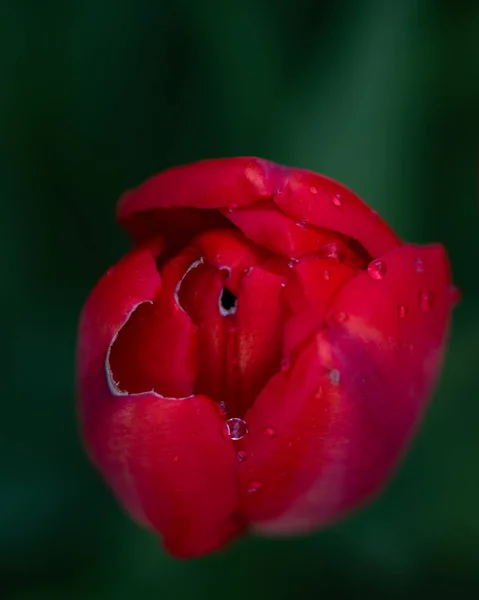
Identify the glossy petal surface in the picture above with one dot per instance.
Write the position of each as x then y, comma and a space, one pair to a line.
345, 412
261, 358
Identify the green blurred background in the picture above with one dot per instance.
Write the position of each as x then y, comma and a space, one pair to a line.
96, 95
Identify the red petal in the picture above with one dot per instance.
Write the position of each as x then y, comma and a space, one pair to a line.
346, 411
309, 293
270, 228
208, 184
157, 349
230, 251
326, 203
260, 318
405, 313
172, 457
133, 281
200, 294
156, 453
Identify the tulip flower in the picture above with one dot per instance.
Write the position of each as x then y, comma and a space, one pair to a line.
262, 356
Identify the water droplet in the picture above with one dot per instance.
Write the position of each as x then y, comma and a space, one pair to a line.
418, 265
334, 250
313, 189
176, 458
326, 275
232, 207
454, 294
241, 455
235, 429
254, 487
270, 432
303, 224
402, 311
223, 407
283, 284
285, 365
292, 262
336, 200
377, 269
425, 301
319, 393
334, 376
111, 270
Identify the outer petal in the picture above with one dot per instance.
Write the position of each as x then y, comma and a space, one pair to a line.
157, 348
309, 293
326, 203
207, 184
166, 459
347, 409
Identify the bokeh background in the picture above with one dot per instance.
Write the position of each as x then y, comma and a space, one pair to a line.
96, 95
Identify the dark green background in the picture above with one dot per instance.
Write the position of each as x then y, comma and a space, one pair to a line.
96, 95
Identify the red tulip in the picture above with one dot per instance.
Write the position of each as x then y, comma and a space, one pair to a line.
262, 356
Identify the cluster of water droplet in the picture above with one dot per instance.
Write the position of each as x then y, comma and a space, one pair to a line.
236, 429
377, 270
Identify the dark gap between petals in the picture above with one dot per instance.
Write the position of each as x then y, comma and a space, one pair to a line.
228, 300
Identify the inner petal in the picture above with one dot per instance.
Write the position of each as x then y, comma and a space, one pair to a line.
157, 348
240, 325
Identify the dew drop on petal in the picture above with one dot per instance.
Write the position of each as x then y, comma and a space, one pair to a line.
292, 262
254, 487
318, 394
223, 407
402, 311
235, 429
270, 432
326, 275
418, 265
334, 376
334, 250
377, 269
283, 284
303, 224
313, 189
241, 455
285, 365
232, 207
425, 301
336, 200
